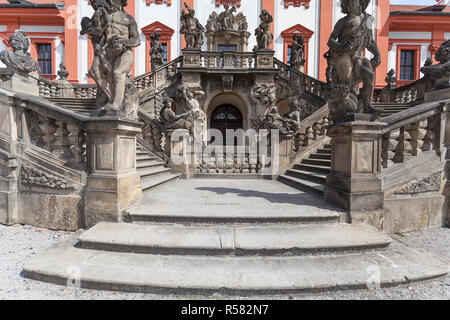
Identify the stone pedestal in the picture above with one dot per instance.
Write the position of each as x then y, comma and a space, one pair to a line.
21, 82
354, 184
192, 58
113, 183
179, 142
264, 58
285, 152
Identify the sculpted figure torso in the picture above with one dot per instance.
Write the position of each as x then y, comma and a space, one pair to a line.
114, 33
347, 65
19, 59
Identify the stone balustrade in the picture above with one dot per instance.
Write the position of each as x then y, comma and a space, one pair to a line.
412, 132
312, 128
309, 84
227, 59
241, 161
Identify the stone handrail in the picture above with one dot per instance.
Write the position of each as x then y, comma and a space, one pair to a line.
309, 84
153, 135
154, 78
410, 93
37, 121
65, 89
415, 130
312, 128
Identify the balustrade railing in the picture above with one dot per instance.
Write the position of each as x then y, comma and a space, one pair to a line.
227, 59
309, 84
412, 132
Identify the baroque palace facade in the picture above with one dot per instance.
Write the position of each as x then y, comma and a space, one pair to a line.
406, 35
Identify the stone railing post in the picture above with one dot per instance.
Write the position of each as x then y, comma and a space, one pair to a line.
179, 144
264, 59
113, 182
354, 183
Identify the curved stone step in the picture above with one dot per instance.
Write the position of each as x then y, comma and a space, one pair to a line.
301, 184
238, 240
218, 213
65, 264
150, 183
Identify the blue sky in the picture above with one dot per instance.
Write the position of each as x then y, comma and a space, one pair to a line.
414, 2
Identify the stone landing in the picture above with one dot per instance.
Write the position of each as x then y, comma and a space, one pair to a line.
229, 236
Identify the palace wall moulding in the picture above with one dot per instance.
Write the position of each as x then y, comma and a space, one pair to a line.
236, 3
149, 2
296, 3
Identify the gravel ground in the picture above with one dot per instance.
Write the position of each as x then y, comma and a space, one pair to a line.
17, 243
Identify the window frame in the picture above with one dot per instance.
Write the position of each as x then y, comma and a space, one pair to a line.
34, 42
416, 59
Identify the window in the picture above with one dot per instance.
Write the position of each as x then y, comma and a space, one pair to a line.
44, 53
224, 47
407, 66
289, 52
164, 45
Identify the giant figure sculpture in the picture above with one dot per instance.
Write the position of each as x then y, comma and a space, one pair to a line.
347, 67
263, 35
156, 51
113, 34
297, 60
19, 59
191, 28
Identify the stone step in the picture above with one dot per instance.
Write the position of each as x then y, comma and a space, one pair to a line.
324, 151
154, 172
223, 212
301, 184
145, 157
240, 240
149, 184
312, 168
148, 164
309, 176
316, 162
320, 156
64, 264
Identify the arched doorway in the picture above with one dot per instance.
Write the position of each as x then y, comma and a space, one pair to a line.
226, 116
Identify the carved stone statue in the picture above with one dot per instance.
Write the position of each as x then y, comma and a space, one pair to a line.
263, 35
439, 72
227, 21
19, 59
191, 28
286, 125
263, 95
62, 72
347, 67
156, 51
391, 79
114, 33
297, 60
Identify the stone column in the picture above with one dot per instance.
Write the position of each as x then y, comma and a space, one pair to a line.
354, 183
113, 182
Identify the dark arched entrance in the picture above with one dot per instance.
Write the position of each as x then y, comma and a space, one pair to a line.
225, 117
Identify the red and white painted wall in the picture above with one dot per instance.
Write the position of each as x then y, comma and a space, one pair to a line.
406, 35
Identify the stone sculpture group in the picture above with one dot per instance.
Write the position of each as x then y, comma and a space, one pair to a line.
113, 34
347, 66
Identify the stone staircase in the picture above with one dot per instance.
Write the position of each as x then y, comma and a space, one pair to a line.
152, 169
310, 174
261, 239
